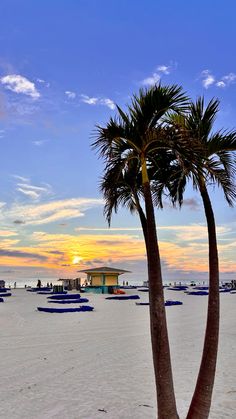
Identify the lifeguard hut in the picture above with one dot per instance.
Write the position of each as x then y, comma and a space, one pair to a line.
102, 280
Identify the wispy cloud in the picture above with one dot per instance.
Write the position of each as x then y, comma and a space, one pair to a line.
153, 79
70, 95
107, 102
108, 229
21, 178
39, 143
164, 69
7, 233
156, 75
32, 191
36, 214
98, 101
20, 84
21, 254
192, 204
43, 82
226, 80
208, 79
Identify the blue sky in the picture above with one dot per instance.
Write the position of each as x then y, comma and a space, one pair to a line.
63, 67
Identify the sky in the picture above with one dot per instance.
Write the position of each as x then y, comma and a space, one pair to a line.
64, 65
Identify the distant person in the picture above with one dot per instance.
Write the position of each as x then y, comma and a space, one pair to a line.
51, 285
39, 284
14, 284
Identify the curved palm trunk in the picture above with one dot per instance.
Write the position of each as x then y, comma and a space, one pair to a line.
201, 401
159, 336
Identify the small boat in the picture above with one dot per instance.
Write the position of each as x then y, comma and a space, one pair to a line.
178, 288
65, 297
65, 310
70, 301
201, 288
5, 294
142, 304
124, 297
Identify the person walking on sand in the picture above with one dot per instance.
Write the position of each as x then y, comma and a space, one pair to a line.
39, 284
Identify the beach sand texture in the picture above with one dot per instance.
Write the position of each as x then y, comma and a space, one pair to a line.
98, 364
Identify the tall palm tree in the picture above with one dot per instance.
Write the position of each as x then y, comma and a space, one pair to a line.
135, 136
217, 167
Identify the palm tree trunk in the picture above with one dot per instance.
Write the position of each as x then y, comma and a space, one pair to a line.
201, 401
160, 344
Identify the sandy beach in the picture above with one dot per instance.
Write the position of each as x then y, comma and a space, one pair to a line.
98, 364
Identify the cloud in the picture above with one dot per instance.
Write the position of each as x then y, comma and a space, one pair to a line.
98, 101
6, 233
229, 78
37, 214
33, 192
70, 95
156, 75
221, 84
43, 82
183, 234
192, 203
108, 229
21, 178
19, 84
30, 194
21, 254
154, 79
108, 102
207, 78
39, 143
226, 80
164, 69
89, 100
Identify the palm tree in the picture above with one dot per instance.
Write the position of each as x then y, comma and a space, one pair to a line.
217, 166
134, 136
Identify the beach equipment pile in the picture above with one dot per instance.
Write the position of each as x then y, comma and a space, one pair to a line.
66, 299
65, 310
178, 288
197, 293
124, 297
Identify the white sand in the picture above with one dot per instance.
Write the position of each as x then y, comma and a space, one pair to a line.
68, 366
